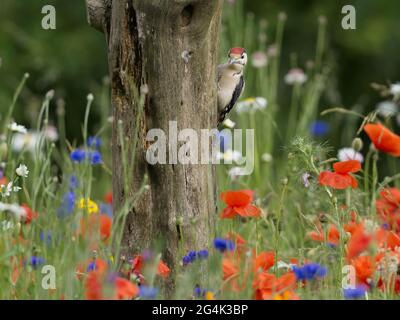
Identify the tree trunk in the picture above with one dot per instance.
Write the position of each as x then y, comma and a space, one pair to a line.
171, 47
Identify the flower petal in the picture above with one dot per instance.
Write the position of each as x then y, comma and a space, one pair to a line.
335, 180
383, 139
237, 198
350, 166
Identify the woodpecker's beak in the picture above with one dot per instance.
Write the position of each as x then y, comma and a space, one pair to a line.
233, 59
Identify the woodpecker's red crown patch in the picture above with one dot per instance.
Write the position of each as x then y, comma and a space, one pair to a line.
237, 50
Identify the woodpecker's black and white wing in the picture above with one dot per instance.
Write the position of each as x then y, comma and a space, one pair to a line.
235, 97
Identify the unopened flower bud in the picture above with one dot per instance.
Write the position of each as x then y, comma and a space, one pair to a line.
90, 97
50, 95
357, 144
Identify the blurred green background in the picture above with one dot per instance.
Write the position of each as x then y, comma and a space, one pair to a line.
72, 59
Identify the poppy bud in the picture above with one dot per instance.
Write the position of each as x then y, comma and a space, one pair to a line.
357, 144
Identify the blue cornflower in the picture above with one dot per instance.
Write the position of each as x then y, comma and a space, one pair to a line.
202, 254
36, 261
148, 292
73, 182
78, 155
45, 237
386, 226
94, 142
189, 258
95, 157
356, 293
67, 205
199, 292
193, 255
309, 271
223, 245
91, 266
319, 128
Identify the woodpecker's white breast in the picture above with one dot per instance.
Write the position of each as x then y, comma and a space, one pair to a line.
228, 78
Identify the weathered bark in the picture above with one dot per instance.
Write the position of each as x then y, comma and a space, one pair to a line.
171, 46
98, 13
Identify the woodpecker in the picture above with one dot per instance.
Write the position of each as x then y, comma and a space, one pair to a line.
230, 81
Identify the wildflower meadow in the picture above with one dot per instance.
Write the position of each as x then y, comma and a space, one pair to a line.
317, 217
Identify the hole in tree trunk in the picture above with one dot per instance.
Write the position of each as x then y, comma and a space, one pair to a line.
186, 15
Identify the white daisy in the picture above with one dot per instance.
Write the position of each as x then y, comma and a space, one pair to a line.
31, 140
387, 109
5, 190
346, 154
251, 105
395, 89
22, 171
17, 128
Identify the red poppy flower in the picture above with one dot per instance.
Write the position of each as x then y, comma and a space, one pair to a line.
383, 139
230, 269
239, 204
358, 242
163, 270
264, 261
96, 224
352, 225
138, 263
333, 235
268, 285
93, 287
341, 177
105, 226
29, 214
125, 289
92, 265
388, 207
387, 239
365, 267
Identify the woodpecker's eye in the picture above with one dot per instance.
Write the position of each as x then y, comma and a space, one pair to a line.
242, 56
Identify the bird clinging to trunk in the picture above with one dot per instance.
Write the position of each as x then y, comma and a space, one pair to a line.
230, 81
